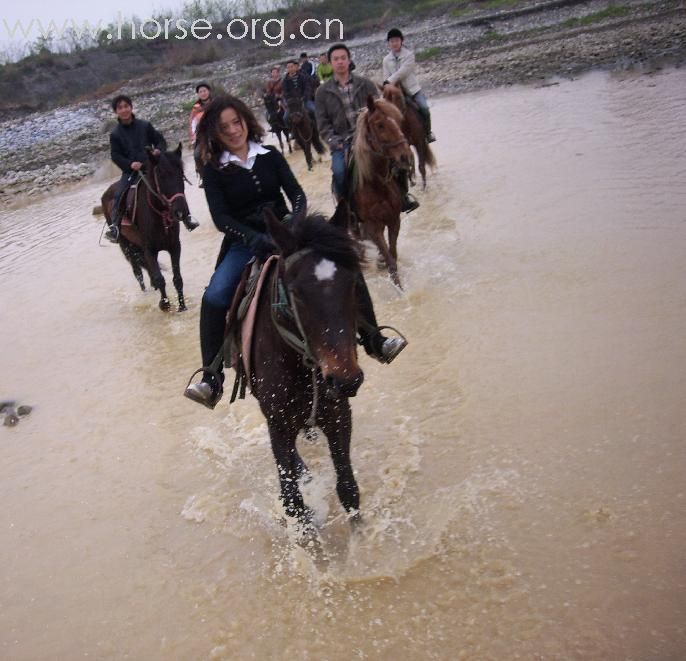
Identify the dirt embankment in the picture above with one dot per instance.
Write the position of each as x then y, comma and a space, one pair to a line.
530, 44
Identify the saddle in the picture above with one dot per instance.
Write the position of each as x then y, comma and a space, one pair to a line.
128, 204
240, 323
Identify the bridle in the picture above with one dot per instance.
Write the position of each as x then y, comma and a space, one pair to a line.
379, 148
156, 192
283, 304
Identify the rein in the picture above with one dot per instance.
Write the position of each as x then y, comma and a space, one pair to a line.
156, 192
283, 303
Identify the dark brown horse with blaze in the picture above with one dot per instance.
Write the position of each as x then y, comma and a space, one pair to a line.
381, 156
160, 205
304, 354
413, 128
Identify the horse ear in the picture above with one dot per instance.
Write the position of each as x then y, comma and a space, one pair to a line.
179, 149
281, 235
151, 154
341, 217
370, 103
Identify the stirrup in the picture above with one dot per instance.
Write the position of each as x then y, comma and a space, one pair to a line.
410, 203
112, 234
214, 400
387, 359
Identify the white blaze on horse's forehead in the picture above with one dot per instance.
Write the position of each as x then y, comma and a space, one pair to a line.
325, 270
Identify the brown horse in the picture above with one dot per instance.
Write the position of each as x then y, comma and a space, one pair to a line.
381, 155
304, 129
413, 127
304, 356
161, 204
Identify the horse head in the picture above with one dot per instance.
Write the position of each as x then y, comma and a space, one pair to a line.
296, 110
382, 122
166, 169
320, 267
395, 95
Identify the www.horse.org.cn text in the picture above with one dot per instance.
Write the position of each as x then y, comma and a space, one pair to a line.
272, 31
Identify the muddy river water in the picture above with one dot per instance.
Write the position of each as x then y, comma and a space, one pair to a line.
521, 465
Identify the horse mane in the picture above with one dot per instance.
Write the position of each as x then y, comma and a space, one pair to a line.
365, 168
392, 92
328, 240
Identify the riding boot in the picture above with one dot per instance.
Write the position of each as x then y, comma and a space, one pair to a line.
112, 233
190, 223
409, 203
209, 390
426, 120
383, 349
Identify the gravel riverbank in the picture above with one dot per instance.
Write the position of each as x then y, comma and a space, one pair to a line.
455, 54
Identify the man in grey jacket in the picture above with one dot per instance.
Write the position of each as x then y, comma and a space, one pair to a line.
338, 102
399, 69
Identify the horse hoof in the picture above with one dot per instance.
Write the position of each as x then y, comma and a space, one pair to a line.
381, 264
182, 307
164, 304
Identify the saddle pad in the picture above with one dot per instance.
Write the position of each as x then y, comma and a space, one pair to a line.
248, 323
130, 208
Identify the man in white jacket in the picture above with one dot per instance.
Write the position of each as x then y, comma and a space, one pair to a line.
398, 69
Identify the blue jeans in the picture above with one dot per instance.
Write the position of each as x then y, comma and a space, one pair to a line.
420, 100
338, 168
127, 178
217, 299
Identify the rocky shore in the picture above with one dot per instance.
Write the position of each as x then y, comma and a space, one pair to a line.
532, 44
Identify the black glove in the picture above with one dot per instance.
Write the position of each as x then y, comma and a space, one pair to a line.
262, 246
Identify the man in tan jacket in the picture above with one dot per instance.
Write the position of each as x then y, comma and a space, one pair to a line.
399, 69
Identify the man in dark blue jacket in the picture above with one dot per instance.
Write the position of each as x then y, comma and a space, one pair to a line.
128, 141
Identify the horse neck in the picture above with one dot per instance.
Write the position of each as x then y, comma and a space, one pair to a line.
150, 212
377, 166
271, 342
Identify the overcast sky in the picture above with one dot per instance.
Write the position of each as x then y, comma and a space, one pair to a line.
77, 10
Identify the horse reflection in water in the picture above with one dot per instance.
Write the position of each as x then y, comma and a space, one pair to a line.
161, 204
304, 354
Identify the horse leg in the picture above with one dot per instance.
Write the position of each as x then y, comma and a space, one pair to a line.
391, 261
336, 423
156, 277
133, 257
175, 254
421, 158
278, 135
307, 149
316, 140
288, 140
283, 447
137, 271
